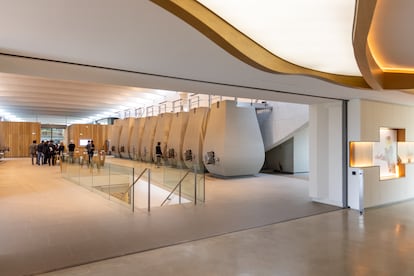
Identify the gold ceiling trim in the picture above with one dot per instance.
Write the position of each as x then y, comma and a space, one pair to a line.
369, 68
241, 46
377, 77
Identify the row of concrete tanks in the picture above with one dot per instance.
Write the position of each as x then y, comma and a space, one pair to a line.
224, 139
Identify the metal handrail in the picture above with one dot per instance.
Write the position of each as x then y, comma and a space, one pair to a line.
175, 188
133, 188
136, 180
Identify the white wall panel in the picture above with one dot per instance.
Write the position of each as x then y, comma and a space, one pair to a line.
325, 153
373, 116
301, 150
285, 119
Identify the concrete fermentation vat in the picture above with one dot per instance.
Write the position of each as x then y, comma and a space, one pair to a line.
116, 132
136, 138
192, 152
233, 144
125, 136
161, 132
175, 139
148, 138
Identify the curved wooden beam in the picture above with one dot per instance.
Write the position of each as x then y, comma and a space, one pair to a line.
364, 49
370, 70
242, 47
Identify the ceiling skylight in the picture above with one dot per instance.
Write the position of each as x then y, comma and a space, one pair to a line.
314, 34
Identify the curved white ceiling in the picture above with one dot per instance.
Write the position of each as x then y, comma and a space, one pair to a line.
141, 45
314, 34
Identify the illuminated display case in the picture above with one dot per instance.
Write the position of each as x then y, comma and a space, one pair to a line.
390, 154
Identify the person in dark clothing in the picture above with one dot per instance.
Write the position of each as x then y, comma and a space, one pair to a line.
158, 153
51, 153
61, 149
45, 152
90, 148
33, 151
40, 153
53, 148
71, 149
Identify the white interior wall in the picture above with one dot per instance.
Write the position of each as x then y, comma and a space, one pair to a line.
325, 153
292, 155
280, 158
284, 119
301, 150
354, 134
375, 115
335, 175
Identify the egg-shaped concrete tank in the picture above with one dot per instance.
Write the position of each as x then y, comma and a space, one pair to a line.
175, 141
125, 137
192, 152
116, 133
233, 144
161, 133
148, 138
136, 138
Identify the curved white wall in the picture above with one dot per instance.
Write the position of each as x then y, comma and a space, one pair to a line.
148, 138
136, 138
194, 137
284, 120
161, 132
125, 137
176, 138
233, 134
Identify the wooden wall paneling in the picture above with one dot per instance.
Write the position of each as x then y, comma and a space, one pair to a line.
98, 133
18, 136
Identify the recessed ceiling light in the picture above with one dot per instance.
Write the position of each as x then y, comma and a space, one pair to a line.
314, 34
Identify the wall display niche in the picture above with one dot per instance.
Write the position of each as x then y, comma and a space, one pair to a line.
390, 154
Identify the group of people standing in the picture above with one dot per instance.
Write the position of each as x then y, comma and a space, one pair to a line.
46, 152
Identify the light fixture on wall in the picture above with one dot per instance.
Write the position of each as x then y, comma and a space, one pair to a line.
390, 153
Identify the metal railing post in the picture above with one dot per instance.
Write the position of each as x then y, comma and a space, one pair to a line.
149, 190
133, 191
195, 185
179, 194
175, 188
361, 191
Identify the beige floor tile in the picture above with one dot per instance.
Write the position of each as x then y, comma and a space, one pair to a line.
53, 223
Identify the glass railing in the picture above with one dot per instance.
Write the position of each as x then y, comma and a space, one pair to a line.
110, 180
191, 182
139, 185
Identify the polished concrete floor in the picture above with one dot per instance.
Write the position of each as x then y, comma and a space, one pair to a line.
381, 242
48, 223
